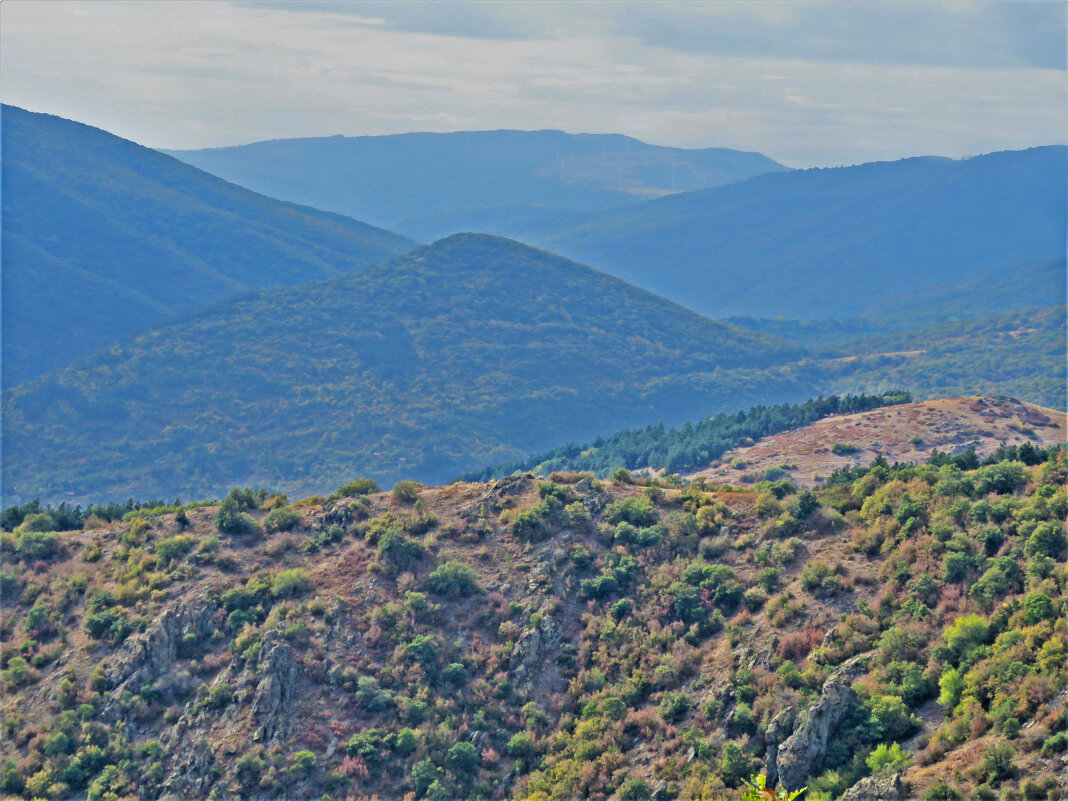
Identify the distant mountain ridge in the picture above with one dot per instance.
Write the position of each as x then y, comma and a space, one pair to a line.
102, 236
472, 350
429, 185
827, 243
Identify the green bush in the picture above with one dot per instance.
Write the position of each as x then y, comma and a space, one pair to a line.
890, 718
361, 486
635, 790
1038, 607
231, 520
521, 746
398, 552
37, 546
285, 518
174, 548
405, 492
1046, 540
109, 624
636, 511
674, 706
844, 448
888, 758
453, 578
463, 758
290, 583
304, 761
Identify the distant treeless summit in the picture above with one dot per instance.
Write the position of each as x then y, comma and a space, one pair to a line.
907, 433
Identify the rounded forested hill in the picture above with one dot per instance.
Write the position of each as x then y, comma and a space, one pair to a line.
103, 236
466, 352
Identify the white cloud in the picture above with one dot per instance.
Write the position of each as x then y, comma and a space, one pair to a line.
197, 74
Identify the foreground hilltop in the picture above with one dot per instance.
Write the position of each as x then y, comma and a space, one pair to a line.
903, 433
900, 634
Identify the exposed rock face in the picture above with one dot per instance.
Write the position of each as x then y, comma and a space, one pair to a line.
802, 753
145, 657
342, 512
193, 770
781, 727
270, 680
279, 671
496, 495
882, 786
532, 649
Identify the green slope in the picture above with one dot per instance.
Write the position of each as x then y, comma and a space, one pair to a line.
102, 236
1018, 353
466, 352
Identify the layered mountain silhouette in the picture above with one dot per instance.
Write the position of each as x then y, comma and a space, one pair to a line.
429, 185
827, 243
102, 236
471, 350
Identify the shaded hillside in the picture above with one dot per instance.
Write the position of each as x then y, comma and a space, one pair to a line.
902, 433
466, 352
901, 635
430, 185
828, 243
102, 236
1005, 288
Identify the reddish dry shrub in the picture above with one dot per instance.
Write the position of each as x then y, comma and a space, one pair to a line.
642, 722
373, 636
355, 766
797, 645
743, 618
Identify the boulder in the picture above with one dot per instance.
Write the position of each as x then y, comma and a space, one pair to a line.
880, 787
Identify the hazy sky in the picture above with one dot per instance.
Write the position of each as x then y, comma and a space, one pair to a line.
808, 83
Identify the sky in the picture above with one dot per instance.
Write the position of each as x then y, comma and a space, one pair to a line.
807, 83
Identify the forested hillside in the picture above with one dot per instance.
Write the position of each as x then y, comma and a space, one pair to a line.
102, 237
430, 185
828, 243
676, 450
898, 635
1018, 353
470, 351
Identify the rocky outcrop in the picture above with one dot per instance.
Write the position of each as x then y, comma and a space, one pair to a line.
266, 688
497, 496
342, 512
781, 727
534, 647
279, 671
147, 656
880, 787
801, 754
193, 769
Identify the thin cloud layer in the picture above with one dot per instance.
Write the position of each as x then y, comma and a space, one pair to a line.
806, 83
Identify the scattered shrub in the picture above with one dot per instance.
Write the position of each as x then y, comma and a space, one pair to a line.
453, 578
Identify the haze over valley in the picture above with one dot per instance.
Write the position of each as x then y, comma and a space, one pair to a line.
456, 401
